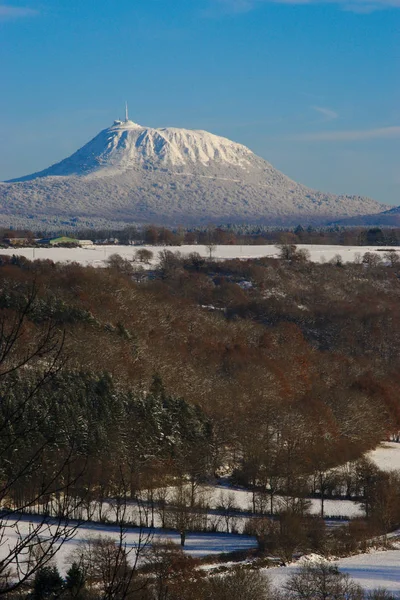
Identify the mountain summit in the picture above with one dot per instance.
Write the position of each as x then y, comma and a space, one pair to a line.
126, 146
130, 173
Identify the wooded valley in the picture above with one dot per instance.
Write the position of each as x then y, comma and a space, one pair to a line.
276, 375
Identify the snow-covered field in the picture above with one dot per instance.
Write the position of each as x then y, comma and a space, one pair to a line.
196, 545
372, 570
386, 456
243, 500
96, 255
377, 569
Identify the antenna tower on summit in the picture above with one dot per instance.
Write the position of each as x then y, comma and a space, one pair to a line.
126, 112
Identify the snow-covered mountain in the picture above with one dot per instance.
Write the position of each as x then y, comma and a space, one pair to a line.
130, 173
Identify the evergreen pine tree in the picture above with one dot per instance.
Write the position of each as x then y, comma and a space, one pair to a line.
75, 582
157, 387
48, 584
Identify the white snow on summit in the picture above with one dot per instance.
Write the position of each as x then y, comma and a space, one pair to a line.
127, 145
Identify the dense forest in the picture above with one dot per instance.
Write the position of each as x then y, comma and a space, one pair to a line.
118, 382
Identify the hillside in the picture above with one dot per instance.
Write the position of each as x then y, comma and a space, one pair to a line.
387, 218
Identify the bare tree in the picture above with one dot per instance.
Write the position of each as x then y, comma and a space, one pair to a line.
183, 513
322, 581
241, 585
144, 255
228, 508
211, 247
36, 466
170, 569
392, 257
371, 260
112, 563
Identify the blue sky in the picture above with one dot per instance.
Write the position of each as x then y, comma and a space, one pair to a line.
311, 86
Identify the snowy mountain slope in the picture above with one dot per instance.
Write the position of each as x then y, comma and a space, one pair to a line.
127, 145
169, 176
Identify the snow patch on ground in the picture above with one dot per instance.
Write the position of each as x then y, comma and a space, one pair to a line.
386, 456
375, 569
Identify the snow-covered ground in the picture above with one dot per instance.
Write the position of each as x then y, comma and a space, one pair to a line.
213, 517
377, 569
196, 545
96, 255
372, 570
243, 499
386, 456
